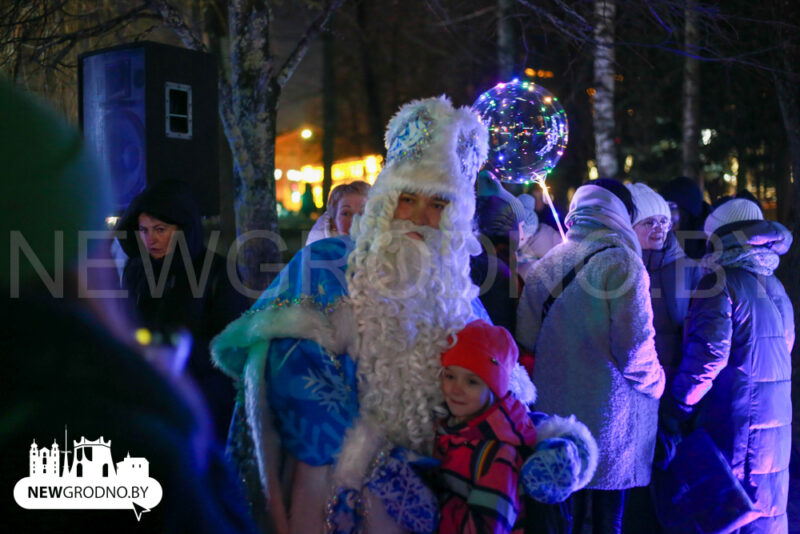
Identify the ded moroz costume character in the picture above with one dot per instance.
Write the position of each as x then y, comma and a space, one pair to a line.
339, 358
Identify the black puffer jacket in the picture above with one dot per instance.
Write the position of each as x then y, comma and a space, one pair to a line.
204, 311
673, 279
736, 369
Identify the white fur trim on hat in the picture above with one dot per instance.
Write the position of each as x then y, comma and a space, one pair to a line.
433, 149
738, 209
648, 203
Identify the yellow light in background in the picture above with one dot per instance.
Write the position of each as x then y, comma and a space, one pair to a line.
308, 173
342, 172
143, 336
530, 72
306, 134
735, 166
278, 174
590, 91
371, 164
628, 162
593, 174
317, 192
548, 100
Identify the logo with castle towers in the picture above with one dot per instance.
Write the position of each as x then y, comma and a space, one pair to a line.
86, 478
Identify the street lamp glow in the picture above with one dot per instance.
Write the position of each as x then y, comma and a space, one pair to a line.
306, 134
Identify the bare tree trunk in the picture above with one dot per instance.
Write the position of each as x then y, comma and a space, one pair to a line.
604, 125
328, 112
787, 80
370, 81
506, 40
691, 97
786, 84
248, 106
249, 112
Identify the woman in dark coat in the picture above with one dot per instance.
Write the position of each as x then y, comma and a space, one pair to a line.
735, 377
673, 275
673, 278
164, 232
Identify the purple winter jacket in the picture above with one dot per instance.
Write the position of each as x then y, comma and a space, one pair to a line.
736, 370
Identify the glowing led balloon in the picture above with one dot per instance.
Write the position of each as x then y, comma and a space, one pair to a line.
528, 130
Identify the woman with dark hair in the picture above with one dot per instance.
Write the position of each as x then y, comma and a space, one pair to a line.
169, 290
586, 314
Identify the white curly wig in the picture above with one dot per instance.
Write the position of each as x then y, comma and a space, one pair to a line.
434, 150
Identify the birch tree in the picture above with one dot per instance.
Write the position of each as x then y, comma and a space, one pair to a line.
506, 40
604, 123
691, 97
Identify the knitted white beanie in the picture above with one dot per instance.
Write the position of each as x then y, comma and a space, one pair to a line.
735, 210
648, 203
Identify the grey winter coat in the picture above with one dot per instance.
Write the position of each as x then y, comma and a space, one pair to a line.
736, 370
673, 278
595, 353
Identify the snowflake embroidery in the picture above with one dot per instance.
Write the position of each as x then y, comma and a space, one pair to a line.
327, 387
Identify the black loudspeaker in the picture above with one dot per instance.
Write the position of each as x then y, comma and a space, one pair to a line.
149, 111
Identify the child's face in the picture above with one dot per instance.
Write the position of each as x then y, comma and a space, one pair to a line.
466, 394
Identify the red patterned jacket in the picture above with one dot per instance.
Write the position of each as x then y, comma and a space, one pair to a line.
479, 474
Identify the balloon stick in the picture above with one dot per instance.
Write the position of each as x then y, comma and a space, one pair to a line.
549, 202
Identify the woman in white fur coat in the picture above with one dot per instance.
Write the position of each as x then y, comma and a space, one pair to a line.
595, 350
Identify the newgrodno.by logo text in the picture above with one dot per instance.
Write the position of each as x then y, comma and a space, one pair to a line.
86, 478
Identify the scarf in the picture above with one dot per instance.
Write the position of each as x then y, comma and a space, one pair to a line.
592, 205
758, 260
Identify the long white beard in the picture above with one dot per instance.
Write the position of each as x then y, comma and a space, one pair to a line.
408, 297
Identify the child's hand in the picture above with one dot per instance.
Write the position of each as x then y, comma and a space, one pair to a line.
564, 461
551, 474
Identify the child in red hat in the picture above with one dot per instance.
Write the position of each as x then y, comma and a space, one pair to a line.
487, 436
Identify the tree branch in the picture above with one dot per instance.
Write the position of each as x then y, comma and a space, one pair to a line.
302, 47
175, 21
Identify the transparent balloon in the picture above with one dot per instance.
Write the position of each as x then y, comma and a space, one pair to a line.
528, 130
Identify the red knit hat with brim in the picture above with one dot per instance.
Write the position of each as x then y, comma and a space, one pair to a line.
488, 351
